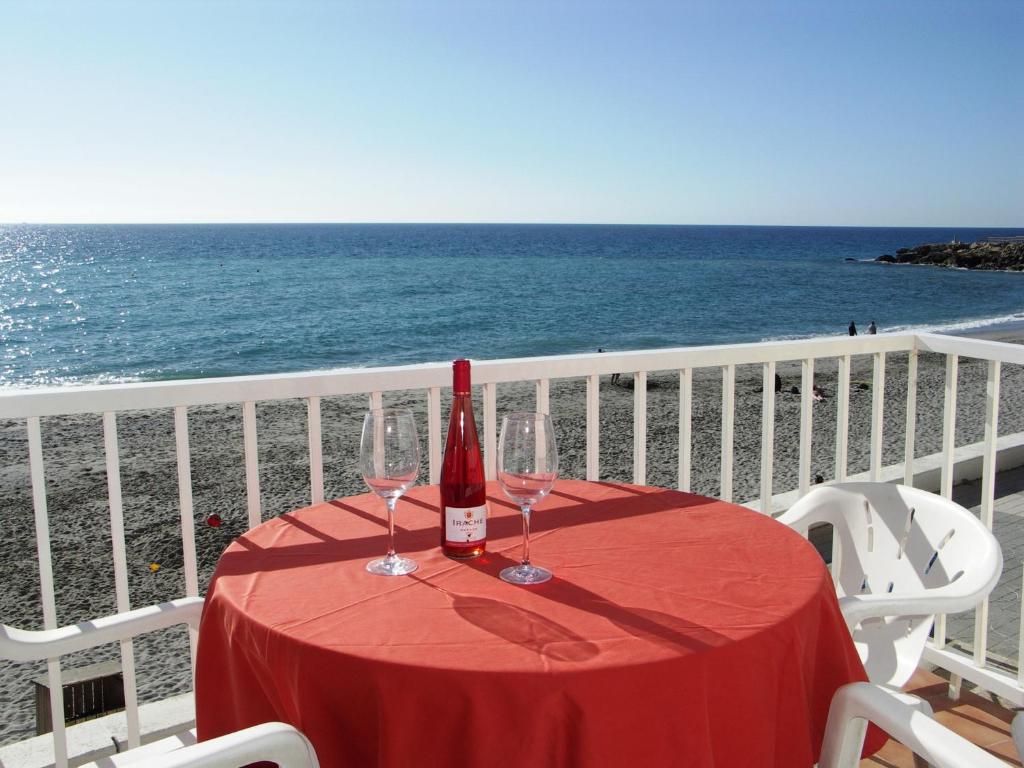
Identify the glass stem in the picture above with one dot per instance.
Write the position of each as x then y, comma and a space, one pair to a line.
526, 534
391, 528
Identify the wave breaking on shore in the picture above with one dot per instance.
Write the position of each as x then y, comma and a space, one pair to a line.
1013, 322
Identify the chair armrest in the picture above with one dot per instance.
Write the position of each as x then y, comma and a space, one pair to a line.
856, 703
800, 517
275, 742
947, 599
32, 645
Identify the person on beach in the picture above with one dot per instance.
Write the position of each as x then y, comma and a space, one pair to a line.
872, 328
853, 329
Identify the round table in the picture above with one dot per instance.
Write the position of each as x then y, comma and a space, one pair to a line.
678, 630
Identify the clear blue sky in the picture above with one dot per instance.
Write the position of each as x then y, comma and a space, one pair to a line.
867, 112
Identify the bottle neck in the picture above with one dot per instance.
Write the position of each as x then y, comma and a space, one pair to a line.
462, 403
462, 425
460, 377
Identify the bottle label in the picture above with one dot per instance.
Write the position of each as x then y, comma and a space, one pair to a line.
465, 525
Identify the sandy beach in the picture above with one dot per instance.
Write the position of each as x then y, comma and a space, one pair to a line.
79, 515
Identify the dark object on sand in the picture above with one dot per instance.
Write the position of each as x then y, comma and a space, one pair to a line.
89, 692
778, 383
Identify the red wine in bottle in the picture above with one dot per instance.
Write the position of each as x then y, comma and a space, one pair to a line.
463, 489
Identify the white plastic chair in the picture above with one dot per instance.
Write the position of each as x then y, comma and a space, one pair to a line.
904, 555
855, 704
276, 742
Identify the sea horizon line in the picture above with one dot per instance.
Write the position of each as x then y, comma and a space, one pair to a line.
489, 224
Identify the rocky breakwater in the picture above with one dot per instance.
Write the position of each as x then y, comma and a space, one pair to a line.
995, 255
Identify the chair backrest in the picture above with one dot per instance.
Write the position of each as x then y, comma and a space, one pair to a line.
893, 538
905, 542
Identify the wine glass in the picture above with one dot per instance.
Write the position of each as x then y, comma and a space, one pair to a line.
389, 459
527, 469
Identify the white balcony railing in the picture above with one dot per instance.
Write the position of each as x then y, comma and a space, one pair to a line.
178, 397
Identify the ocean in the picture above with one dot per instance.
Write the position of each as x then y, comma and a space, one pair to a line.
107, 303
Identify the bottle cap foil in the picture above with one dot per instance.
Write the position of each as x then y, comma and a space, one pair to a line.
460, 377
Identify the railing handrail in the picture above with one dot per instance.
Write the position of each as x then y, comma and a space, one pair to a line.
53, 401
964, 346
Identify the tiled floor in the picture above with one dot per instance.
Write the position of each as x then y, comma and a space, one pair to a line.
974, 717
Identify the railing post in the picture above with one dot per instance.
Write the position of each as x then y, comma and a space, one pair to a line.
543, 397
186, 509
948, 450
877, 415
491, 430
988, 494
593, 426
110, 449
911, 429
316, 451
1020, 638
434, 433
949, 425
685, 427
640, 428
767, 435
842, 418
252, 464
728, 421
43, 554
806, 419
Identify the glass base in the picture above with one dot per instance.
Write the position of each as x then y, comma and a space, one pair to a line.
392, 566
525, 574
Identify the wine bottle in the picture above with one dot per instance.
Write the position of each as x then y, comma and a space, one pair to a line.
463, 488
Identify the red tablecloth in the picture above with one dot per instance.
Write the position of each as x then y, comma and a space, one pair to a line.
678, 631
